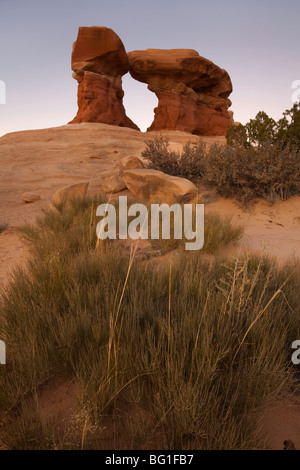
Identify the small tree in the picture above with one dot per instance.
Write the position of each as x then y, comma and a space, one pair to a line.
265, 130
262, 129
236, 135
289, 131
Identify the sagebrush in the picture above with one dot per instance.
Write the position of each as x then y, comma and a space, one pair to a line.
245, 172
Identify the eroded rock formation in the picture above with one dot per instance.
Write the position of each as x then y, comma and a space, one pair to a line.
99, 61
192, 91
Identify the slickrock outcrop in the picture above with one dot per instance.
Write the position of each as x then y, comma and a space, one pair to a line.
192, 91
99, 61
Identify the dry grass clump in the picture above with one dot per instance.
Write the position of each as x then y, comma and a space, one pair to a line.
198, 346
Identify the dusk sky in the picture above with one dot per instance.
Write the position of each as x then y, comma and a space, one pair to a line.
257, 42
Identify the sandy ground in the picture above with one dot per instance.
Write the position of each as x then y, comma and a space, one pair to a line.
45, 160
272, 229
281, 421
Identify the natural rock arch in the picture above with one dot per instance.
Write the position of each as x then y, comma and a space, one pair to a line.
193, 92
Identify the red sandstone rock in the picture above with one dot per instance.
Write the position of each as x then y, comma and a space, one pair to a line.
192, 91
99, 61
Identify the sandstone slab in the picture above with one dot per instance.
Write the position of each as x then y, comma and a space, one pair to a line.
156, 186
70, 192
130, 162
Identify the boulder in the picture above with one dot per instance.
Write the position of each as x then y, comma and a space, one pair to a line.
113, 180
74, 191
99, 61
192, 91
30, 197
156, 186
130, 163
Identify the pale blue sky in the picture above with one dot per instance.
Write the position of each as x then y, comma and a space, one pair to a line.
257, 42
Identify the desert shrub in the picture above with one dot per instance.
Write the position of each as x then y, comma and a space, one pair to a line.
262, 158
240, 170
190, 162
198, 346
246, 173
187, 164
159, 155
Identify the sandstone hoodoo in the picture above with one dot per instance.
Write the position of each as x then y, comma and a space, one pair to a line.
99, 61
192, 91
